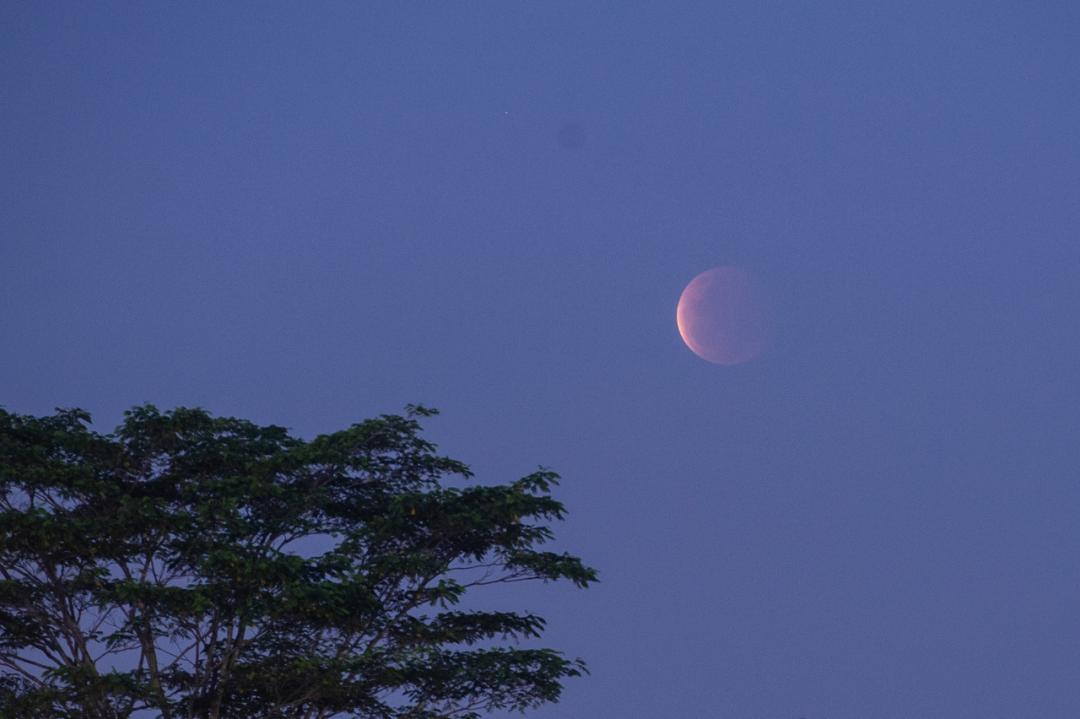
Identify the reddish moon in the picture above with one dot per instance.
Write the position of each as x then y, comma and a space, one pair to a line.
723, 316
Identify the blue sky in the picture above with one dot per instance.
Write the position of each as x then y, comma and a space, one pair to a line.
308, 214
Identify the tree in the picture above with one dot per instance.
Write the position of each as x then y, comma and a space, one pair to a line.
188, 566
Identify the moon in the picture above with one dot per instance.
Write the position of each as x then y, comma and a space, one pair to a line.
723, 316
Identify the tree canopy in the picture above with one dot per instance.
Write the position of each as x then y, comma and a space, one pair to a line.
189, 566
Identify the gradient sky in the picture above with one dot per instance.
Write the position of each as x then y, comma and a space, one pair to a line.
308, 214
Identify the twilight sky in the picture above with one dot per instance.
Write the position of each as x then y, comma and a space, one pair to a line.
308, 214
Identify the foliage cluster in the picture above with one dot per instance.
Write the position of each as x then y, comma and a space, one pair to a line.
188, 566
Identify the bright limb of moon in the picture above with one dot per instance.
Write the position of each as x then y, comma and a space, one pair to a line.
723, 316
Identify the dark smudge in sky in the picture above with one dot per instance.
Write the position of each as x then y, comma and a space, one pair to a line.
572, 136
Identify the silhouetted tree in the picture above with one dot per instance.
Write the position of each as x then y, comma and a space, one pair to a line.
188, 566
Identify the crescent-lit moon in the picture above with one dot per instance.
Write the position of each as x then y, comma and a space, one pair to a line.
723, 316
